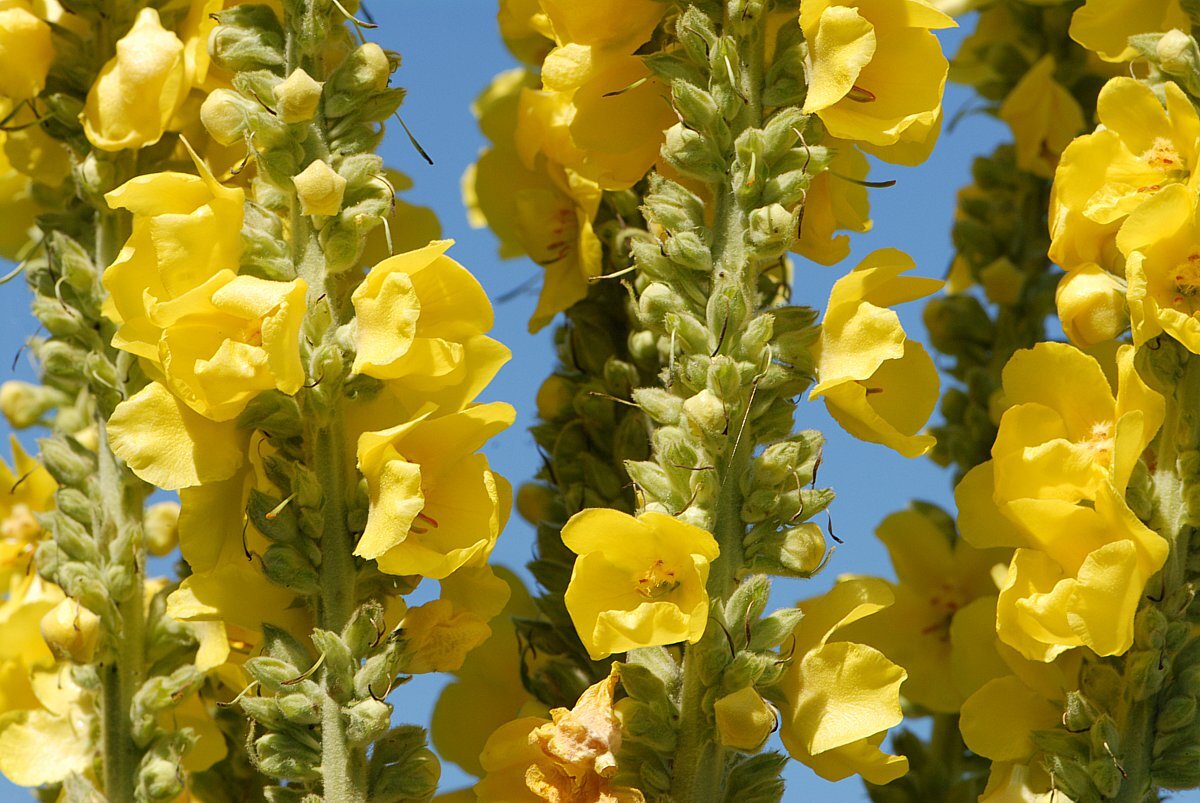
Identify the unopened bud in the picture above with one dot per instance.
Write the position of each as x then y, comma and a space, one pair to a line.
368, 720
706, 414
744, 720
297, 98
224, 115
1002, 281
71, 631
772, 230
24, 404
1091, 305
536, 503
555, 398
1177, 53
320, 189
161, 525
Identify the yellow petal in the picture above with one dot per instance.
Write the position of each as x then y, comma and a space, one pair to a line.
843, 45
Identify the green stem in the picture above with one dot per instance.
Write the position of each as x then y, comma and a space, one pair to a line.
119, 515
699, 766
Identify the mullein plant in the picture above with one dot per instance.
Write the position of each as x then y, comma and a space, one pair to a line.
1081, 654
740, 129
238, 309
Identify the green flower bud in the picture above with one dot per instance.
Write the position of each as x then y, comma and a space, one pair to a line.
159, 779
688, 249
248, 38
645, 725
363, 73
281, 756
1106, 776
693, 154
1146, 673
1176, 713
1080, 713
662, 406
60, 320
406, 769
793, 552
265, 711
286, 566
697, 34
1149, 628
1178, 55
272, 673
367, 721
299, 708
697, 107
673, 206
772, 230
68, 462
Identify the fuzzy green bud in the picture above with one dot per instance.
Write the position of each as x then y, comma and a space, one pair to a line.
363, 73
226, 115
23, 404
367, 721
693, 154
772, 230
706, 414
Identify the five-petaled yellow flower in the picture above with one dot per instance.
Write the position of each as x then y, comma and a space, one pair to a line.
638, 582
879, 385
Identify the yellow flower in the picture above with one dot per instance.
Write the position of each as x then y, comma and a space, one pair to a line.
1054, 489
185, 229
939, 577
17, 206
228, 340
439, 634
1044, 118
421, 319
600, 113
841, 697
25, 489
877, 73
30, 150
999, 720
1091, 305
320, 189
26, 51
617, 24
224, 552
1104, 26
507, 754
879, 385
195, 31
170, 445
435, 504
71, 631
1163, 268
638, 582
487, 691
139, 90
836, 201
1139, 149
525, 29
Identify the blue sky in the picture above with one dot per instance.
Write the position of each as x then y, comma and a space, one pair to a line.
451, 50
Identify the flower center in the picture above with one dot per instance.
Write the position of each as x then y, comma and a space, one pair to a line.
1163, 155
429, 521
20, 525
1100, 442
658, 581
1187, 282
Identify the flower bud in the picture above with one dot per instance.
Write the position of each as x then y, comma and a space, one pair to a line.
225, 116
297, 98
320, 189
1176, 713
161, 524
772, 230
71, 631
159, 779
706, 414
744, 720
364, 72
795, 552
556, 398
536, 503
369, 719
24, 404
1177, 53
1091, 305
693, 154
661, 405
1002, 281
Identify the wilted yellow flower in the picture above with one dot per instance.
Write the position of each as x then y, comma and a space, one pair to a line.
320, 189
744, 720
1163, 268
435, 503
638, 582
487, 691
421, 319
841, 697
185, 229
879, 385
858, 52
1044, 118
1104, 26
1140, 149
26, 50
1054, 489
439, 634
139, 90
1091, 305
836, 201
939, 577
